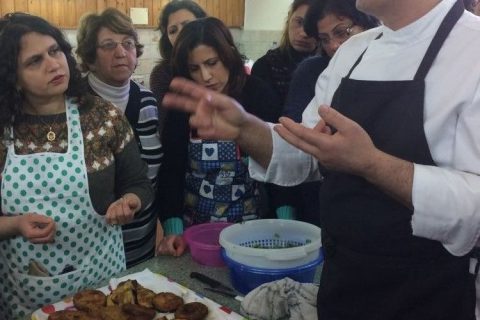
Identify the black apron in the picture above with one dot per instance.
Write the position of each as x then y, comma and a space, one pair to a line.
374, 267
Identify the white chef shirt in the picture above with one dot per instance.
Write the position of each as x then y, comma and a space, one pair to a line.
446, 198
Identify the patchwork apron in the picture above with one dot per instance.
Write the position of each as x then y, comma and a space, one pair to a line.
218, 185
55, 185
375, 269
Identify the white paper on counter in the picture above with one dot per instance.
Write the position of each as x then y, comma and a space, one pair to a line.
157, 283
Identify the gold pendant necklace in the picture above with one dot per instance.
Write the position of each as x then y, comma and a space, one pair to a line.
51, 135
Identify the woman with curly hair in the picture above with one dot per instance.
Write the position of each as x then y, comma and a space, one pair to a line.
71, 172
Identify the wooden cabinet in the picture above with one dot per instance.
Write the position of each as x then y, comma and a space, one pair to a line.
231, 12
66, 13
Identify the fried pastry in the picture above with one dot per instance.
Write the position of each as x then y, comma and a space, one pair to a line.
144, 296
192, 311
86, 299
130, 301
110, 313
167, 302
138, 312
71, 315
123, 294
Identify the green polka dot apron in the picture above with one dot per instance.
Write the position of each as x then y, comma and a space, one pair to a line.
218, 185
56, 185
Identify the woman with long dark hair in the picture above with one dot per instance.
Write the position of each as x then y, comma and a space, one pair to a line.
331, 22
207, 180
172, 19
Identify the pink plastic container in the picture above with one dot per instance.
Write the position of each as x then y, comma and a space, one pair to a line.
203, 242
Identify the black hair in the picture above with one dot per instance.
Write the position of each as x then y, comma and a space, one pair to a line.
13, 26
173, 6
469, 4
211, 32
319, 9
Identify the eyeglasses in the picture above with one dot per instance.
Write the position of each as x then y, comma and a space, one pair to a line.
128, 44
340, 33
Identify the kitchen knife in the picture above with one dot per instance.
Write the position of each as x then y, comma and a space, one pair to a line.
210, 282
226, 293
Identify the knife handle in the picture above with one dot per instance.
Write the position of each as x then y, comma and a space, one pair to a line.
207, 280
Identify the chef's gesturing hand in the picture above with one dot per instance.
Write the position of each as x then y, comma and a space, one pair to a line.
214, 115
123, 210
349, 149
36, 228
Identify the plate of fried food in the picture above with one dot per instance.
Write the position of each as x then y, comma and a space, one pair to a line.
139, 296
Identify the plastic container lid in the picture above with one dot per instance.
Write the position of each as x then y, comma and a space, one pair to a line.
272, 243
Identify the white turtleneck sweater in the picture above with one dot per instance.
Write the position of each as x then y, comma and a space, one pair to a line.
140, 107
116, 95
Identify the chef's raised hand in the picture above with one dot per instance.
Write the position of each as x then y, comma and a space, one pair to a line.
123, 210
349, 149
36, 228
214, 115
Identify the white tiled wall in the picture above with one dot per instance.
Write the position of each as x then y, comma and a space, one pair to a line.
253, 44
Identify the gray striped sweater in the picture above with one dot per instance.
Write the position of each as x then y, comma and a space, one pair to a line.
142, 114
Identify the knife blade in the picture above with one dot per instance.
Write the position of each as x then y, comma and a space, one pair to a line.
226, 293
210, 282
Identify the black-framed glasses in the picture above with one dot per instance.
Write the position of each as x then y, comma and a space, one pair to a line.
340, 33
110, 45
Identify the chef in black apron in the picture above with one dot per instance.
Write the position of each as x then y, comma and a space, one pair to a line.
374, 267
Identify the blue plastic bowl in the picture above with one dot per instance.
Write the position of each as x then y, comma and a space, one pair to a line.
244, 278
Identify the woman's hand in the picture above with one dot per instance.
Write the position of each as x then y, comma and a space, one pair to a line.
123, 210
36, 228
173, 245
